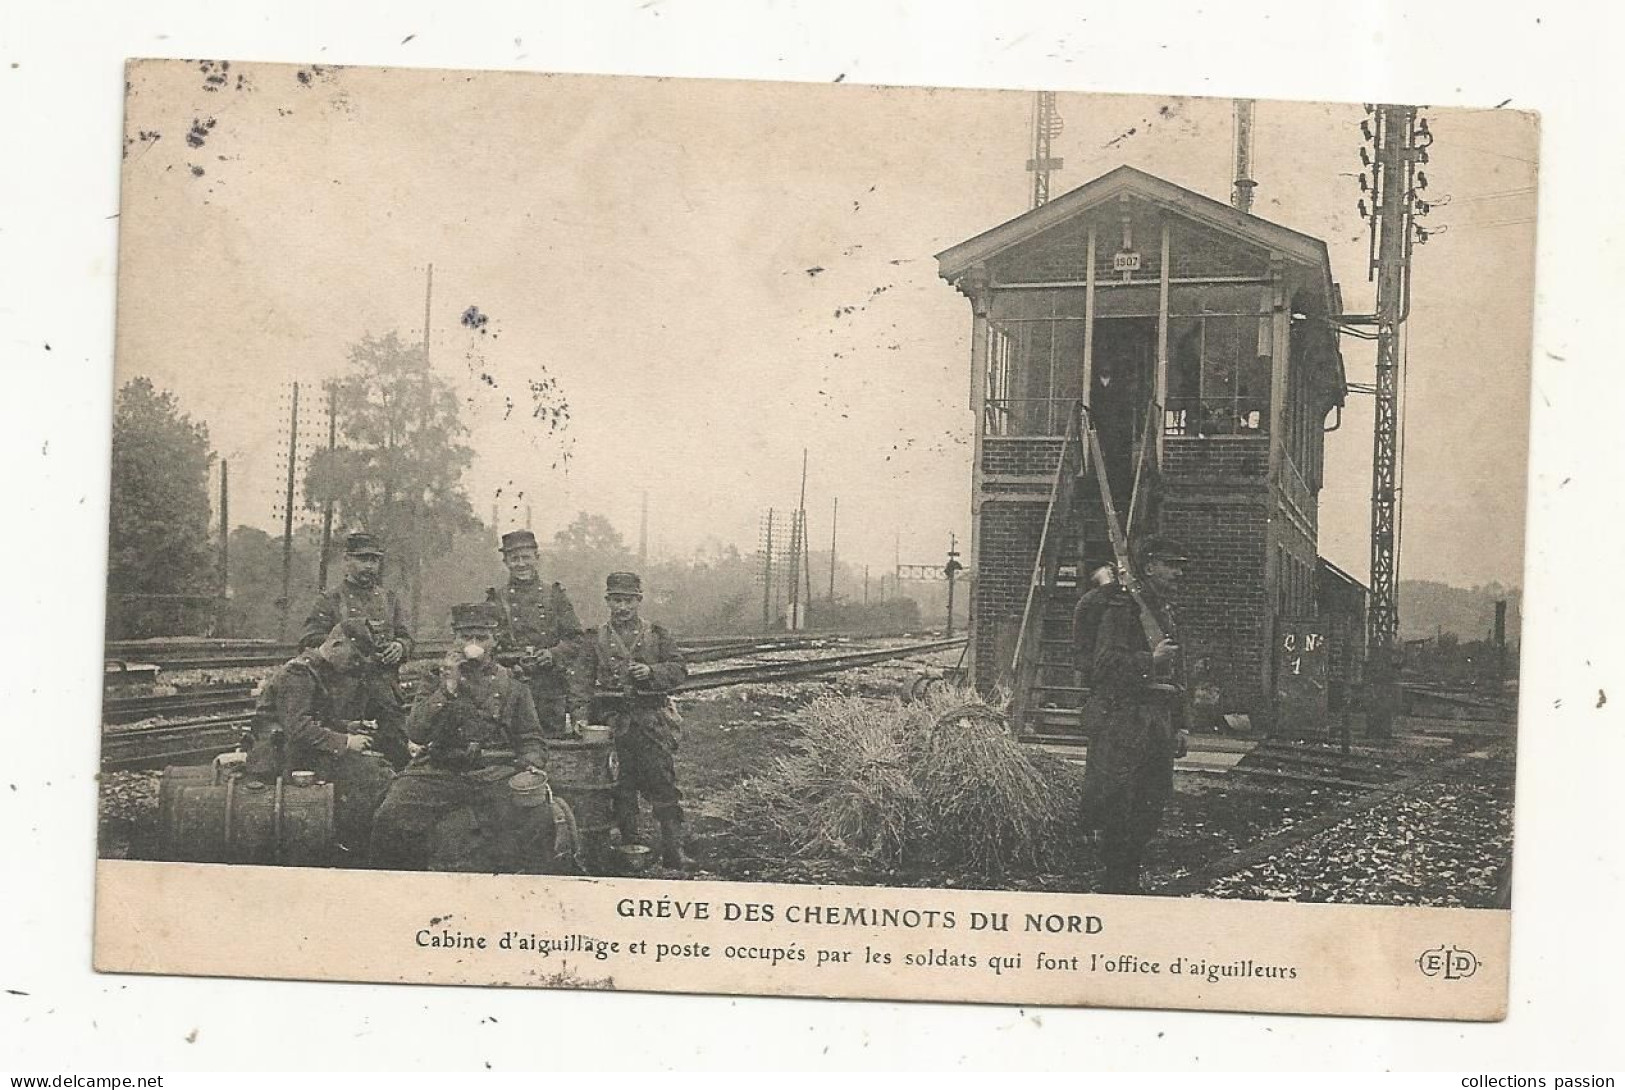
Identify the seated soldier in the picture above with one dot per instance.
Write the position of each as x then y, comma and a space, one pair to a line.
474, 727
297, 728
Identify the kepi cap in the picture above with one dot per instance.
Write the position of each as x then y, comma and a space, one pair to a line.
623, 582
361, 543
1161, 547
518, 539
475, 615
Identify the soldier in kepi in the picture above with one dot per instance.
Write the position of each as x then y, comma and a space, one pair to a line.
540, 634
475, 728
300, 725
373, 693
1136, 714
632, 667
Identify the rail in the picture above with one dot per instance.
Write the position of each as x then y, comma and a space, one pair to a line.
204, 737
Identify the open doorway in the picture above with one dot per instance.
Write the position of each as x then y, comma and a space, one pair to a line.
1120, 388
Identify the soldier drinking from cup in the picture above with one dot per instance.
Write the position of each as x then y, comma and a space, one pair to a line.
474, 726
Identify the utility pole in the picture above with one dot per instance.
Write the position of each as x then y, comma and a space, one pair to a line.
952, 570
866, 584
767, 575
834, 516
798, 548
417, 538
287, 513
643, 533
225, 544
1400, 144
1047, 125
327, 504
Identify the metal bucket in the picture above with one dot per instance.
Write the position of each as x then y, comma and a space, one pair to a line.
244, 821
583, 772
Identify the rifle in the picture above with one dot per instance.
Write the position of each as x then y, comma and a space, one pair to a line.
1126, 575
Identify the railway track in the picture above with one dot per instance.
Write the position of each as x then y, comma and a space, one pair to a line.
179, 655
215, 698
201, 738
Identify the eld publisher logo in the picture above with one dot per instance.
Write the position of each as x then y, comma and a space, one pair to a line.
1452, 964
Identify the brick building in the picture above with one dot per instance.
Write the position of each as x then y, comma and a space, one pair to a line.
1197, 342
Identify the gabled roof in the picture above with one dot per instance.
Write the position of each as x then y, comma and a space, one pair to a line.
955, 261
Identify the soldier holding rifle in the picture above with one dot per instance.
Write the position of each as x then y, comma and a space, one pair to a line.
539, 634
1135, 714
632, 667
373, 692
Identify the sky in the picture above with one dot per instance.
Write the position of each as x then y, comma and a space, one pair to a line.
719, 275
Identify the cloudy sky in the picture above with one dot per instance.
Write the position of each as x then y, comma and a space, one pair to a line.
721, 274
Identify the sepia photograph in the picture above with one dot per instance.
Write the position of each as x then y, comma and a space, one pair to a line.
701, 483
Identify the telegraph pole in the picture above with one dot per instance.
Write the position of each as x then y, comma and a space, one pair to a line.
287, 511
225, 546
834, 515
1400, 142
767, 575
327, 504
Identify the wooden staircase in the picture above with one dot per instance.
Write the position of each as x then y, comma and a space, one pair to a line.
1075, 542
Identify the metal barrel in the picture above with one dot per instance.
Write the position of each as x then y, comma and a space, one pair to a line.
583, 772
243, 821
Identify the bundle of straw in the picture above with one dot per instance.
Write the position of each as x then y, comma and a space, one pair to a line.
942, 781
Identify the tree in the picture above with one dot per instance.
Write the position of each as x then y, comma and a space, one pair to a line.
399, 468
591, 536
161, 575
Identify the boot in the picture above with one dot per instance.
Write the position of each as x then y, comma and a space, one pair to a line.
626, 818
671, 843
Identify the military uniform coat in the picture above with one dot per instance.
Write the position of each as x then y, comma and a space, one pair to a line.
538, 616
493, 710
644, 721
374, 693
1132, 716
299, 725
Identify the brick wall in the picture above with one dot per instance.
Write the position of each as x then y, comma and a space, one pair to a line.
1217, 460
1007, 545
1020, 457
1223, 605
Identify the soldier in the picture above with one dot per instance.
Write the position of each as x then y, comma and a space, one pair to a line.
299, 725
375, 691
1135, 715
539, 630
632, 666
477, 727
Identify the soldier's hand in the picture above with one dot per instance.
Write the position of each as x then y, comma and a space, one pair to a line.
356, 743
392, 653
450, 667
1164, 653
537, 659
640, 671
1182, 744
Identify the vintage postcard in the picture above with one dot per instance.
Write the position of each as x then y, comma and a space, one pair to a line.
679, 535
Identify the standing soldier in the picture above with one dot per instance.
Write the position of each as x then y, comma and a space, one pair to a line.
1135, 715
375, 692
632, 667
477, 728
299, 725
540, 633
